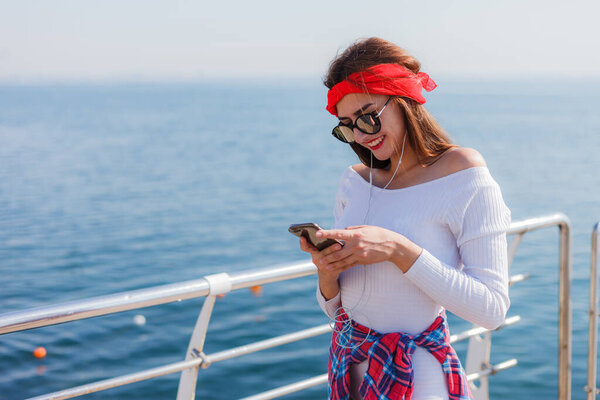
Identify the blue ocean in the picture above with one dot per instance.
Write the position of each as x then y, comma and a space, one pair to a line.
109, 188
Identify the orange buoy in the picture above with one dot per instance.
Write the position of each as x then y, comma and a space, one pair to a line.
220, 296
40, 352
256, 290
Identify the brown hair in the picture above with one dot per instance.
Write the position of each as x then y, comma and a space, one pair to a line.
425, 136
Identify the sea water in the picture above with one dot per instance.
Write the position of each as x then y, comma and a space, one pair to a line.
109, 188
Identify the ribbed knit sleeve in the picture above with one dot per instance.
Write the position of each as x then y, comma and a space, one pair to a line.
329, 306
478, 292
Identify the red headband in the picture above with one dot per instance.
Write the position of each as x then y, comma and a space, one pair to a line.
390, 79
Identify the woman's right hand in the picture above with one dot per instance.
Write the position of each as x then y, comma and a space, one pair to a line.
328, 279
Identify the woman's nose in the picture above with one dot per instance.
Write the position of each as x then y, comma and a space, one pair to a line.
360, 136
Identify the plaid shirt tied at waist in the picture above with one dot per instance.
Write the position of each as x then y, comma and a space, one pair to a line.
390, 374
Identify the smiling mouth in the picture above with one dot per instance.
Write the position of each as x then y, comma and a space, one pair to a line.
375, 143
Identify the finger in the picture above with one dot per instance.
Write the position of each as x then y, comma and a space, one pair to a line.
342, 265
338, 262
356, 227
309, 248
335, 234
331, 249
342, 253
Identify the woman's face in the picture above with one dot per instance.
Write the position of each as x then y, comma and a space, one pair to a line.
386, 142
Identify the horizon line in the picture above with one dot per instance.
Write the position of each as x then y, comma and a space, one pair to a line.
129, 80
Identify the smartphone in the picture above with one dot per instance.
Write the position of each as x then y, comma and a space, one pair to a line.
308, 232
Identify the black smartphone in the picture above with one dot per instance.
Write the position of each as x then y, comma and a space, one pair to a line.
308, 231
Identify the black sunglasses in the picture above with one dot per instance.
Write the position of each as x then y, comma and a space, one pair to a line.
366, 123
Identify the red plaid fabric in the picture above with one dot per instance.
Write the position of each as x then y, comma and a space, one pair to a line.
390, 374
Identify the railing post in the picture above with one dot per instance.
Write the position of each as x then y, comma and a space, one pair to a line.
565, 312
218, 284
593, 316
478, 358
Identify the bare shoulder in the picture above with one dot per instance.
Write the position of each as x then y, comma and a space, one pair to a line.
362, 170
459, 158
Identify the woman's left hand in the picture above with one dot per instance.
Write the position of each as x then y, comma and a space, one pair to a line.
368, 244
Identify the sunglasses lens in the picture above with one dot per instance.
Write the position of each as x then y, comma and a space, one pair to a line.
343, 133
368, 123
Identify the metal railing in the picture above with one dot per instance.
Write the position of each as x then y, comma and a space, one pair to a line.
478, 366
565, 308
591, 387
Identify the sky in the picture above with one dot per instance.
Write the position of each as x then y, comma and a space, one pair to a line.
182, 40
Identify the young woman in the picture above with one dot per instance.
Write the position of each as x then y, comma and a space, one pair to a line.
424, 230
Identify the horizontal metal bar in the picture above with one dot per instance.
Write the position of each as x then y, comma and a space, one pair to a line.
530, 224
264, 344
322, 379
95, 306
479, 330
492, 370
131, 300
247, 279
294, 387
203, 362
518, 278
119, 381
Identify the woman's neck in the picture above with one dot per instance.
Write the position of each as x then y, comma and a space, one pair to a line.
408, 161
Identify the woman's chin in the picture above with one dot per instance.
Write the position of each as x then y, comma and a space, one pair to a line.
380, 156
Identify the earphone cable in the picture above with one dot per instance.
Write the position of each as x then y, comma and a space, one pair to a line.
351, 311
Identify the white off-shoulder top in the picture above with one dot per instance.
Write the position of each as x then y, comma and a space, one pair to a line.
460, 220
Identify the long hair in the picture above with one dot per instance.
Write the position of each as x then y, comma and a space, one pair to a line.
425, 136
